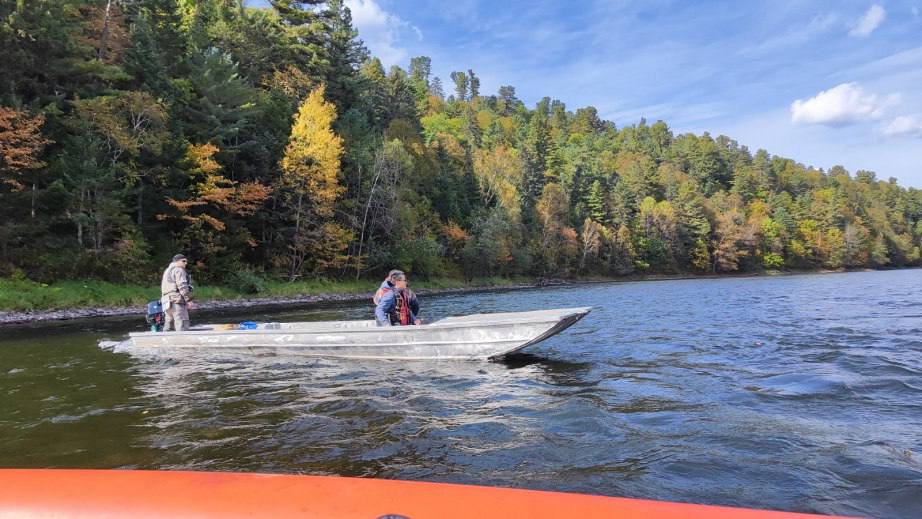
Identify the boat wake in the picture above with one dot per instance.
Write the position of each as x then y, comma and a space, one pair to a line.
115, 346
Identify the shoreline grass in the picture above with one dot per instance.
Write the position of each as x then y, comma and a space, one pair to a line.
23, 295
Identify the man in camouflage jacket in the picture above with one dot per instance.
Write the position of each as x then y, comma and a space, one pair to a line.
176, 294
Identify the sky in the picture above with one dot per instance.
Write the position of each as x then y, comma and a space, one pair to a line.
824, 83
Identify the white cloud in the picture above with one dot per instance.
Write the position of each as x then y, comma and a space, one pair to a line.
904, 126
381, 30
841, 105
870, 21
915, 12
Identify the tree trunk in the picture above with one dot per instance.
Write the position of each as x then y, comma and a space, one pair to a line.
140, 201
80, 218
104, 38
294, 249
358, 257
98, 223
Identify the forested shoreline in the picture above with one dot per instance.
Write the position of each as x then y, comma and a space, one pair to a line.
268, 144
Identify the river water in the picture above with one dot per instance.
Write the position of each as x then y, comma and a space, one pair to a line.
798, 393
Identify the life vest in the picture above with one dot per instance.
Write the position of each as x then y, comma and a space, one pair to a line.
401, 314
403, 308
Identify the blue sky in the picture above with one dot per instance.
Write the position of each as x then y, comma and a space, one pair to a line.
824, 83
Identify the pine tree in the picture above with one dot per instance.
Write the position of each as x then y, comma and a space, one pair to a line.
596, 203
305, 29
345, 53
420, 68
462, 82
535, 148
507, 102
474, 84
435, 88
145, 60
223, 101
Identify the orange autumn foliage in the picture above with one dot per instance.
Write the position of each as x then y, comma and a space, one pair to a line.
21, 142
214, 191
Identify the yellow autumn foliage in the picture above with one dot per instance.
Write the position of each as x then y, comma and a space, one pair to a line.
311, 162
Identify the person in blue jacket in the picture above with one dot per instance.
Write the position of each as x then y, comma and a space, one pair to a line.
395, 303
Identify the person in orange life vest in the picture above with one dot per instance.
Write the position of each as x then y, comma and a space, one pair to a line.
388, 284
395, 303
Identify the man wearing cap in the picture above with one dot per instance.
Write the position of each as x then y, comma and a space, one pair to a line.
176, 294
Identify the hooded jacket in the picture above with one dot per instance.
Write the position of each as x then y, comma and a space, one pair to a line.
386, 304
175, 286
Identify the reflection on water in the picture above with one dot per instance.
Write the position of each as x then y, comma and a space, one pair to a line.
798, 393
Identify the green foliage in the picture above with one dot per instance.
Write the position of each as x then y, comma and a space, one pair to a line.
440, 125
489, 252
772, 260
24, 295
218, 101
246, 281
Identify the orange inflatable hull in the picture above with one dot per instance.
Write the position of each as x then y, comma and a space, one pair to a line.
148, 494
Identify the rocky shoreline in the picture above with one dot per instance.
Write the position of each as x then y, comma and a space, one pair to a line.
15, 318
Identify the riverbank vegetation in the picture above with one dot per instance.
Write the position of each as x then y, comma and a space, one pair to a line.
24, 295
267, 144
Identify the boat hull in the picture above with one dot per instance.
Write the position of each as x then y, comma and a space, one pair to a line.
71, 494
480, 336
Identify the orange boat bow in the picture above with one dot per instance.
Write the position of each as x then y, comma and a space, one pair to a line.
150, 494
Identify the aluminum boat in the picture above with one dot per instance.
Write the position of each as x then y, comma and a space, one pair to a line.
478, 336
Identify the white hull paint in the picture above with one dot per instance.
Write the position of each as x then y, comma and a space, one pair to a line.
479, 336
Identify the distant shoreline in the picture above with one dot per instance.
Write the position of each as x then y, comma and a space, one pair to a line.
26, 317
8, 318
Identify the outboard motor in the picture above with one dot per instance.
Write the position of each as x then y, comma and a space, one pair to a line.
155, 316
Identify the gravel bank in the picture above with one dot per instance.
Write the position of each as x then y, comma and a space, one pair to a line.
12, 318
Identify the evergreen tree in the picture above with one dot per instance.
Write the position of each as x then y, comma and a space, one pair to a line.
435, 88
305, 42
474, 84
220, 103
462, 82
346, 53
507, 102
595, 201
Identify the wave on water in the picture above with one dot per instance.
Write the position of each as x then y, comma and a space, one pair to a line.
115, 346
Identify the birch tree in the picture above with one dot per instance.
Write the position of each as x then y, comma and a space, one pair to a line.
310, 168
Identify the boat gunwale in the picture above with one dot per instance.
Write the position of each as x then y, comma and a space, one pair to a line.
581, 311
343, 345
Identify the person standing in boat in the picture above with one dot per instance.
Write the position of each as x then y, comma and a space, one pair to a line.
176, 294
395, 303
